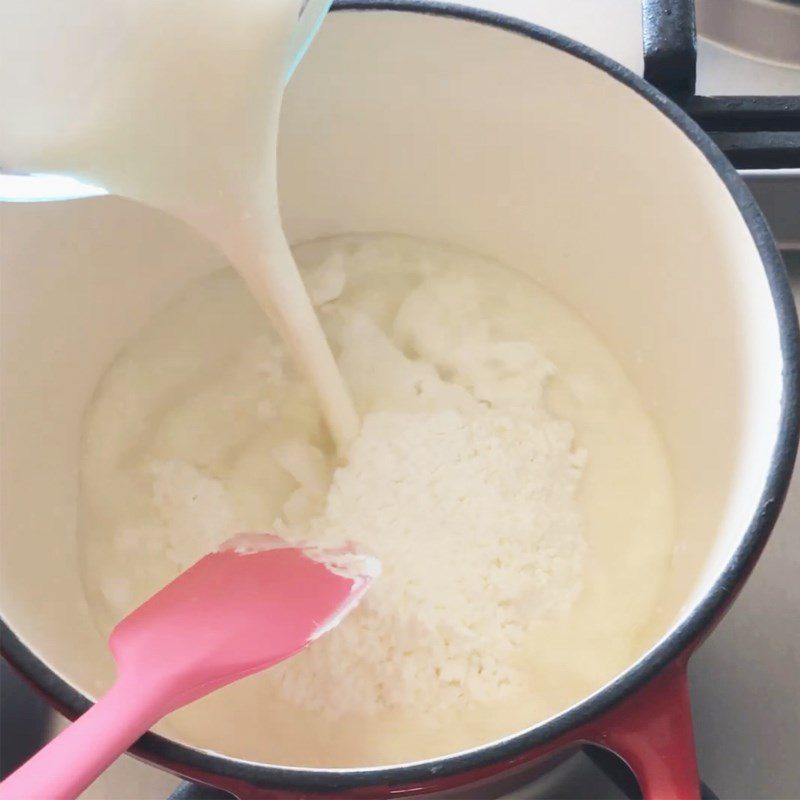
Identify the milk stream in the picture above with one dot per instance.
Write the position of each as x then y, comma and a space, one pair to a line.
175, 105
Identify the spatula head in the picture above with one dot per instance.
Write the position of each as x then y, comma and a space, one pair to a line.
251, 604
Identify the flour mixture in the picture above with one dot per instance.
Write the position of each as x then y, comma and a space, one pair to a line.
505, 473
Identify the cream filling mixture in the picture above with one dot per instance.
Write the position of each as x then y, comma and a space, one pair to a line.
505, 473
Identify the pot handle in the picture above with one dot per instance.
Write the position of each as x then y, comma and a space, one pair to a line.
652, 732
669, 40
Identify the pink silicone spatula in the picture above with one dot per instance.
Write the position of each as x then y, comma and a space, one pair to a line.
251, 604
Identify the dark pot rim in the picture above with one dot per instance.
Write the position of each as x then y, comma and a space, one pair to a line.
222, 769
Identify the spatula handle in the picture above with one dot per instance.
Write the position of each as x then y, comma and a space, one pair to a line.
67, 765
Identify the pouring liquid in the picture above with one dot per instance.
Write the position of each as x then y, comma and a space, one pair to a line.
176, 106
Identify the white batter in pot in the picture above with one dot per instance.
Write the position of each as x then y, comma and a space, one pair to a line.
506, 473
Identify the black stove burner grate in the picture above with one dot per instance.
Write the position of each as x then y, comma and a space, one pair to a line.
754, 132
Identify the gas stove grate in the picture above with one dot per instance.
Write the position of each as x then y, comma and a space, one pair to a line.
754, 132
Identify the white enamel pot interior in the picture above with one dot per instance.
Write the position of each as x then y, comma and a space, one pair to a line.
463, 128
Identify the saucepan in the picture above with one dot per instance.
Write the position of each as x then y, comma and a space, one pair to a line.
466, 127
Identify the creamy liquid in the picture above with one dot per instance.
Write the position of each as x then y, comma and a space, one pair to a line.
175, 105
206, 394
